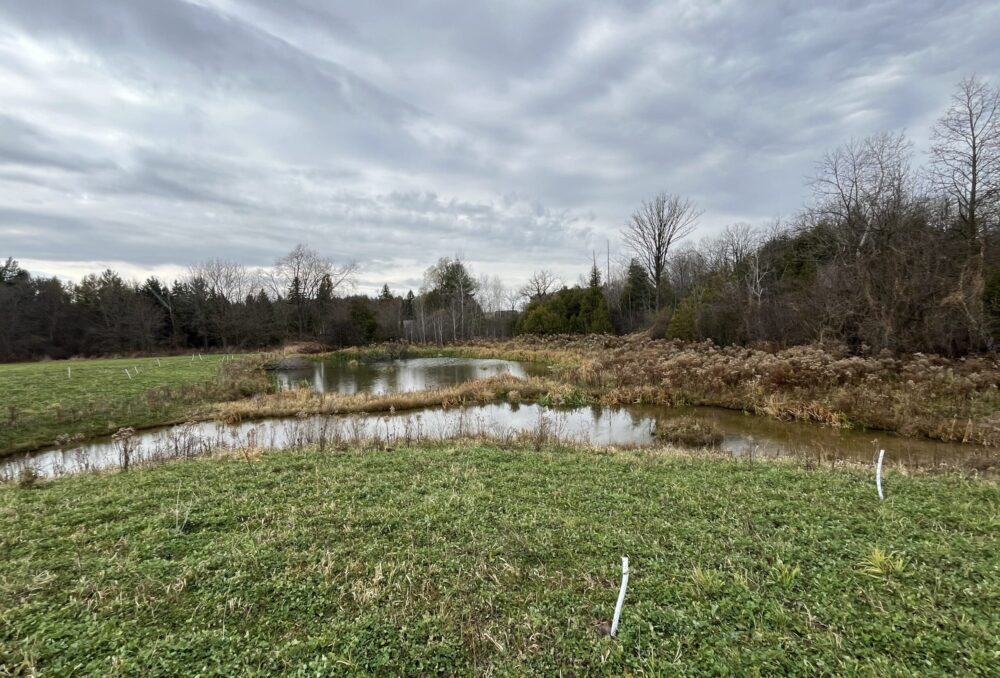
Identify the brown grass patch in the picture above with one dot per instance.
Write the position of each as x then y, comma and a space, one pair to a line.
304, 401
689, 431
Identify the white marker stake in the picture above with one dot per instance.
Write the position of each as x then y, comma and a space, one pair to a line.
69, 372
621, 598
158, 363
878, 473
128, 374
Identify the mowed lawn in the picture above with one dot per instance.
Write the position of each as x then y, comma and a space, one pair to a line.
41, 401
461, 559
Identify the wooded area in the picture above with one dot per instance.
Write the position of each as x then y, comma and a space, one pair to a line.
885, 257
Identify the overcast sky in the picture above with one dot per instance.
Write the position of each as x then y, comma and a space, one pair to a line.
151, 134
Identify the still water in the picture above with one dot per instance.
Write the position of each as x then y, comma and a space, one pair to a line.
744, 436
396, 376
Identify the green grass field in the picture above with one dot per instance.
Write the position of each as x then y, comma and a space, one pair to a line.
44, 400
467, 560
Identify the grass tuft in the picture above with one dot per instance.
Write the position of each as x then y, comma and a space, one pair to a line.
883, 564
689, 432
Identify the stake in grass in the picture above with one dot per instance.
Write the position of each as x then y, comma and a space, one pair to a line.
878, 473
621, 598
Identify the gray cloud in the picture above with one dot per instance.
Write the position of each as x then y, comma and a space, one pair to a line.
162, 132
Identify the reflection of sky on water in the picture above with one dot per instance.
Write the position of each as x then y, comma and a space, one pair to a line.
397, 376
596, 425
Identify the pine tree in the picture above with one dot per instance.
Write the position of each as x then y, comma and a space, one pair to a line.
594, 313
297, 299
409, 311
637, 294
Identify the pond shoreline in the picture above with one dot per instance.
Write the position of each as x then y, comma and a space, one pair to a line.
572, 376
739, 436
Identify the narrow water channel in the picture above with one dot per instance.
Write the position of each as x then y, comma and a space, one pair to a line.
743, 436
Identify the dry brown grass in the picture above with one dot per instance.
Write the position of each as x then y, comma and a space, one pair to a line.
304, 401
916, 395
303, 348
689, 431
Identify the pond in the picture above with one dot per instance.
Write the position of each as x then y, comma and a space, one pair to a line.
395, 376
743, 436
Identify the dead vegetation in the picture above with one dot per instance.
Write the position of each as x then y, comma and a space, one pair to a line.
913, 394
919, 395
689, 432
304, 401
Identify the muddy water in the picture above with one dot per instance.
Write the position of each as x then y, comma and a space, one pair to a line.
744, 436
396, 376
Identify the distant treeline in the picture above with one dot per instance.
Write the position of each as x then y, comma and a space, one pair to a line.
886, 257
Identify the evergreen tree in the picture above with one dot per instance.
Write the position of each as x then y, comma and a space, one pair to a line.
594, 315
409, 311
296, 298
637, 295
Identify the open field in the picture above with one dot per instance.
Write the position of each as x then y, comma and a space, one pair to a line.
39, 402
470, 559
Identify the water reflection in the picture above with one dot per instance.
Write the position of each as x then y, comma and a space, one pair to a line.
744, 436
396, 376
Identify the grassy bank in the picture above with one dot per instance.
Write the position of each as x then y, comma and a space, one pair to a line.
465, 559
43, 401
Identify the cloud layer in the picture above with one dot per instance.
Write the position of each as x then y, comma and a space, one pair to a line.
153, 134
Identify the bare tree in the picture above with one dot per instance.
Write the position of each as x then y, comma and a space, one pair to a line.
303, 272
229, 283
453, 288
491, 295
755, 277
862, 185
736, 244
965, 154
228, 279
308, 267
654, 228
686, 269
541, 284
965, 166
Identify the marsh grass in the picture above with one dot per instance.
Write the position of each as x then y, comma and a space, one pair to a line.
466, 558
915, 395
688, 431
481, 391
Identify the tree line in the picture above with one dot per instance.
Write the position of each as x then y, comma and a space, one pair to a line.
886, 256
224, 305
